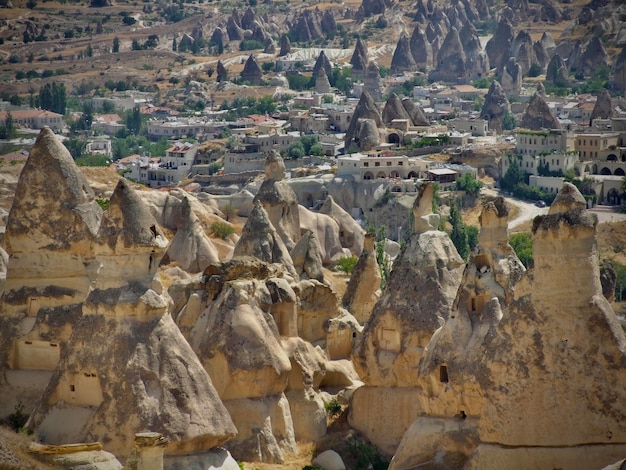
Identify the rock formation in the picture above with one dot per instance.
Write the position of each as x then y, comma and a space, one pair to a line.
359, 60
363, 289
477, 60
593, 58
191, 248
556, 73
222, 73
394, 110
279, 200
252, 72
285, 46
351, 234
496, 106
373, 81
365, 110
498, 46
603, 108
418, 118
260, 239
327, 232
618, 72
322, 63
100, 392
450, 368
421, 50
49, 237
546, 331
234, 30
451, 60
538, 115
307, 258
416, 302
307, 27
512, 77
402, 60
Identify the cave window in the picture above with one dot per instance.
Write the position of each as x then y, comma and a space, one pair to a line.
72, 388
443, 374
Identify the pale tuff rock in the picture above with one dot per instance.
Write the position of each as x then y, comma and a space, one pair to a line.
4, 263
306, 257
512, 77
327, 231
351, 235
279, 200
130, 242
557, 73
416, 114
318, 303
50, 230
394, 110
50, 233
451, 59
498, 46
259, 239
366, 109
373, 81
322, 63
359, 60
423, 217
322, 85
191, 248
427, 272
329, 460
618, 72
252, 71
402, 60
363, 289
538, 115
341, 333
421, 50
603, 108
560, 318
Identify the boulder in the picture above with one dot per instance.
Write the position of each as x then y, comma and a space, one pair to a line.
329, 460
538, 115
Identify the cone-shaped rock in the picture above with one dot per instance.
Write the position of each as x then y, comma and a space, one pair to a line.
394, 110
191, 248
451, 60
603, 108
512, 77
538, 115
130, 243
322, 85
594, 57
556, 73
415, 112
322, 62
360, 54
498, 46
279, 200
306, 257
402, 60
363, 289
618, 72
421, 49
373, 81
552, 324
252, 71
285, 46
496, 106
259, 239
235, 32
365, 109
222, 73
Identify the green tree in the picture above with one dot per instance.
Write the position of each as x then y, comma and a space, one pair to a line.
317, 150
381, 256
116, 44
296, 150
133, 121
469, 184
522, 244
509, 122
89, 51
458, 234
76, 147
7, 130
308, 141
513, 176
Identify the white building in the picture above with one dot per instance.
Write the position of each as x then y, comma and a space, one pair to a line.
379, 166
169, 170
100, 145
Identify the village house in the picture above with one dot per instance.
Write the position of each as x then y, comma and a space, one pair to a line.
34, 119
168, 170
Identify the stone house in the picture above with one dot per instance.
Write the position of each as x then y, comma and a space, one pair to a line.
34, 119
